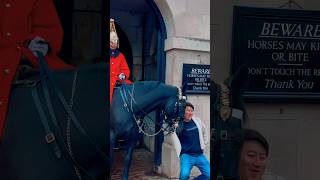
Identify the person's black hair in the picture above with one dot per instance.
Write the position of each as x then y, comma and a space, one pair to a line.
190, 105
253, 135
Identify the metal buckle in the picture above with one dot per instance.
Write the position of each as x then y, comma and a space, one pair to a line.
224, 135
50, 138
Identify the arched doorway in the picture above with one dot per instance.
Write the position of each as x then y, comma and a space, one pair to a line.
143, 25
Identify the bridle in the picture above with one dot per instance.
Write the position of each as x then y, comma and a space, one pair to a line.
167, 126
178, 111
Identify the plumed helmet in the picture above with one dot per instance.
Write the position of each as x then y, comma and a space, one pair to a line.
113, 33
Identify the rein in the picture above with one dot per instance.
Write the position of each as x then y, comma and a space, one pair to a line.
50, 137
68, 129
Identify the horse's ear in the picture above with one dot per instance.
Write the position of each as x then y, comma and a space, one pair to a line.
183, 89
213, 91
237, 86
239, 79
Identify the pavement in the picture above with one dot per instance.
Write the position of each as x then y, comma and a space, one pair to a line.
141, 166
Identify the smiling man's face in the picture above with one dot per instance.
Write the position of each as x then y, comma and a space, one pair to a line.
188, 113
253, 161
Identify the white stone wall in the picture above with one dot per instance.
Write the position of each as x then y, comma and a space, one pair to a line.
186, 18
291, 129
188, 30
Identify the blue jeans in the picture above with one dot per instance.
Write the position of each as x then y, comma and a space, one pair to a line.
188, 161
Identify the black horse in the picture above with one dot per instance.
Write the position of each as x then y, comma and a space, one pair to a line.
227, 116
45, 140
130, 105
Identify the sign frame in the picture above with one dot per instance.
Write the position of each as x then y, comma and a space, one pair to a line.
242, 56
195, 74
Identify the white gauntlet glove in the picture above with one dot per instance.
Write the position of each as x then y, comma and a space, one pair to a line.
38, 44
122, 76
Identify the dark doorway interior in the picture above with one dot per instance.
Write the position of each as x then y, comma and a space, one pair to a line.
84, 25
64, 10
125, 47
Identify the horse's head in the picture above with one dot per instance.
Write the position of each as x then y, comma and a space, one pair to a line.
174, 110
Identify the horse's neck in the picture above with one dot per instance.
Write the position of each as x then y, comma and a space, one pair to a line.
155, 98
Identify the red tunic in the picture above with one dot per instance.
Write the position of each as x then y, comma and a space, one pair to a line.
21, 21
118, 65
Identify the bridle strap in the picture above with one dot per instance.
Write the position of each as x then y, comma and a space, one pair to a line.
55, 122
50, 138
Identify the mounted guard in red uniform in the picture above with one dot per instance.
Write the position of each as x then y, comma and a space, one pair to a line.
119, 69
